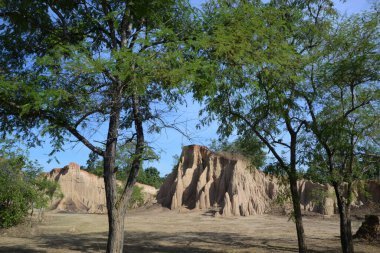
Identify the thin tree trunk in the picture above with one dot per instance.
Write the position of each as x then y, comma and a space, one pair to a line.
345, 222
302, 248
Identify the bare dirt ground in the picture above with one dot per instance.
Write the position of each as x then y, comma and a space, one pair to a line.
159, 230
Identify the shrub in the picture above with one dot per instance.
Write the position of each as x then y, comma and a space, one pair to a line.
22, 188
137, 197
150, 176
15, 195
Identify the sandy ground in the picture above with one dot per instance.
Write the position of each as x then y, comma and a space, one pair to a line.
160, 230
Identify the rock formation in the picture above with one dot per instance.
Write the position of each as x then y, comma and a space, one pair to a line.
205, 179
369, 193
84, 192
149, 193
316, 197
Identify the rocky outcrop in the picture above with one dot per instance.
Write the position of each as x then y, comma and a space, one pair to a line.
316, 197
84, 192
368, 191
205, 179
149, 194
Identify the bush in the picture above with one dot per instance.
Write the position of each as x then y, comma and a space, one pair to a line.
137, 198
150, 176
22, 188
15, 194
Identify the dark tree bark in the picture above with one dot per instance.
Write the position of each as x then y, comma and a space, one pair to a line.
292, 173
302, 248
344, 209
115, 241
115, 212
117, 205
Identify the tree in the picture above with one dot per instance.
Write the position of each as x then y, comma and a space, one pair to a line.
248, 146
257, 57
22, 187
94, 164
151, 176
14, 194
123, 161
70, 68
343, 101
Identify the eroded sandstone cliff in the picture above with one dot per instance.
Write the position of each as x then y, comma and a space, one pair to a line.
231, 185
84, 192
205, 179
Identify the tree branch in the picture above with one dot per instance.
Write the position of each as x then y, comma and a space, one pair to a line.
81, 119
16, 110
61, 18
106, 9
261, 137
352, 109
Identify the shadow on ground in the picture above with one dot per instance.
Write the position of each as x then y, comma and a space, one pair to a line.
19, 249
144, 242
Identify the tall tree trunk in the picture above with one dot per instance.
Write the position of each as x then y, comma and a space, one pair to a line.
116, 210
345, 221
302, 248
117, 207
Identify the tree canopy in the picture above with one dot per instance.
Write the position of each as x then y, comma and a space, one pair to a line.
300, 78
73, 67
249, 147
294, 74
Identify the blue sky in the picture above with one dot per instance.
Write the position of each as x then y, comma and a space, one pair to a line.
169, 142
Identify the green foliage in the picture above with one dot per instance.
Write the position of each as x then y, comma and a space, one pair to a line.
22, 188
14, 195
248, 146
137, 197
64, 62
256, 52
125, 156
46, 190
274, 169
317, 168
345, 106
283, 197
150, 176
318, 196
68, 68
94, 165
